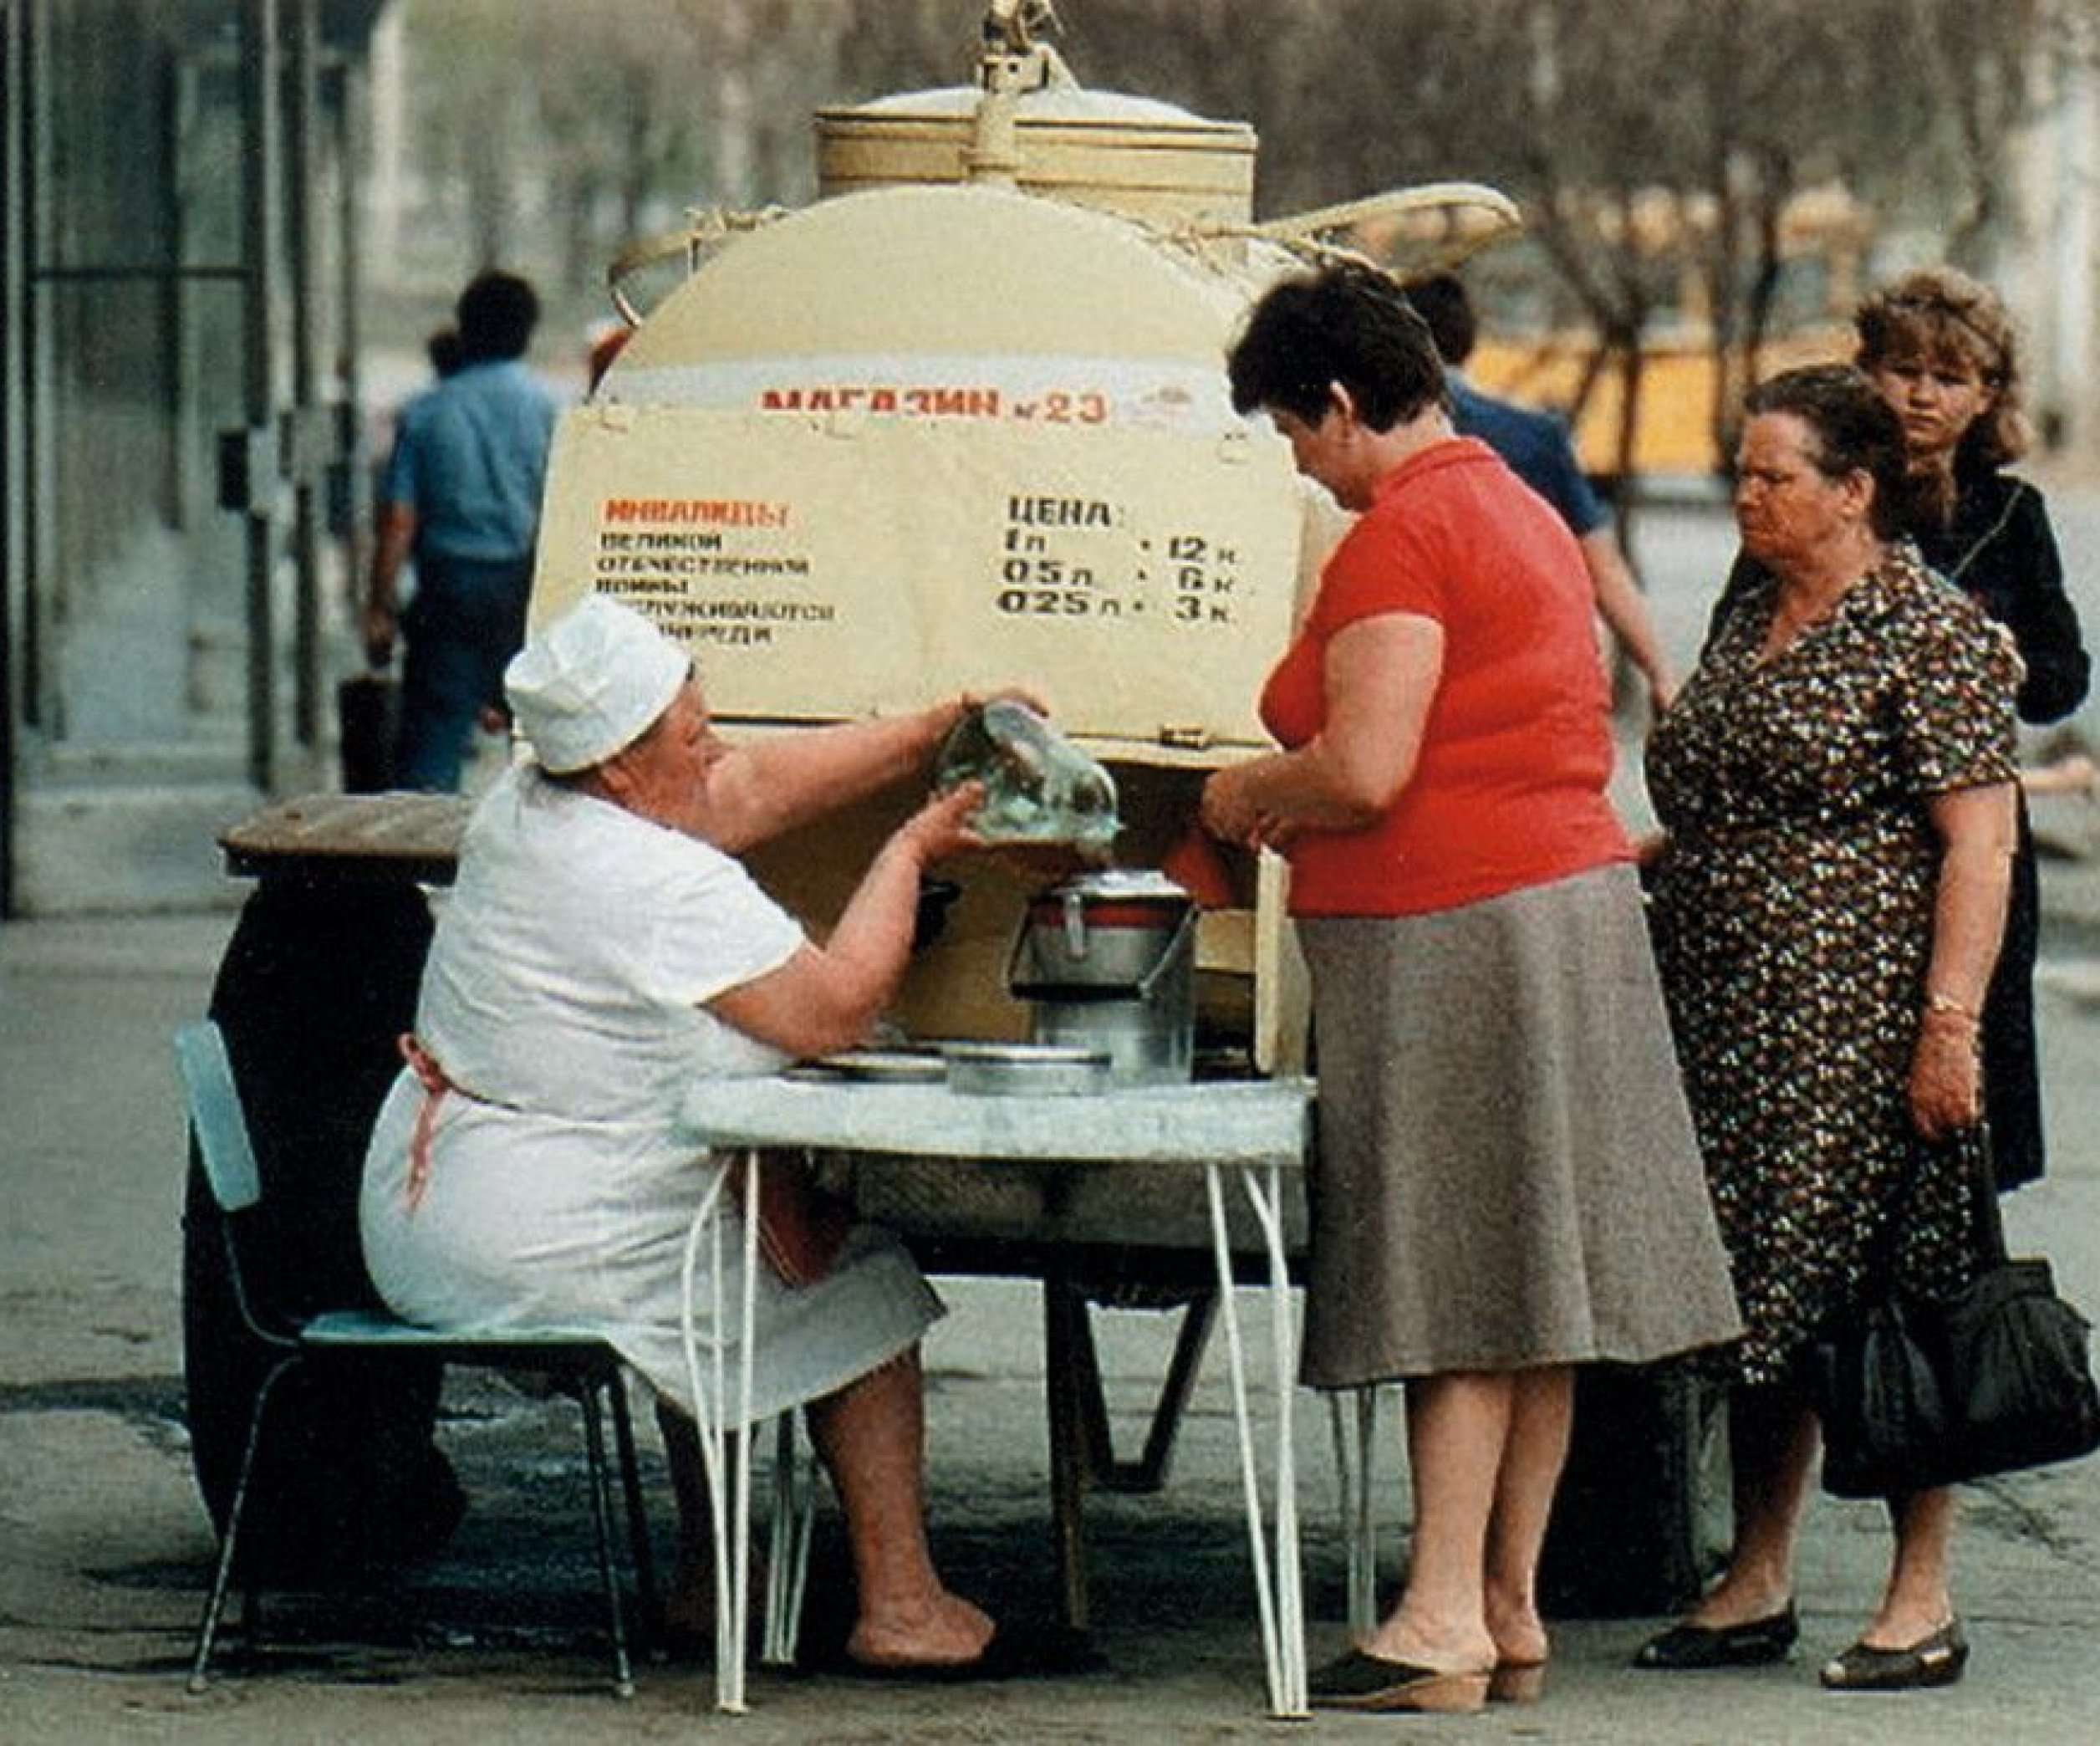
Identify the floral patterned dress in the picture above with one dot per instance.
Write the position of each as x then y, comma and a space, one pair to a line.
1793, 917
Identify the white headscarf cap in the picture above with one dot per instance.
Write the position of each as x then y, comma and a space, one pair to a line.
590, 683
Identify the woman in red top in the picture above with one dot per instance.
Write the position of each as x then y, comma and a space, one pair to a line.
1507, 1183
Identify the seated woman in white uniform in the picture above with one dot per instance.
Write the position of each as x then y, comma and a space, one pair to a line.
601, 949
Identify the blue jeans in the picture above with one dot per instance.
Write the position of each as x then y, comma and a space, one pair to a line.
459, 631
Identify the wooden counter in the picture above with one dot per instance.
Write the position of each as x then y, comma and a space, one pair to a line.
392, 836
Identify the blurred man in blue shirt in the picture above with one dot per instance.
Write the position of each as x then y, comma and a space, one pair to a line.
461, 496
1538, 451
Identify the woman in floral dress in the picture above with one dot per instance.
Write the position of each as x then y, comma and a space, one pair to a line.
1835, 781
1943, 353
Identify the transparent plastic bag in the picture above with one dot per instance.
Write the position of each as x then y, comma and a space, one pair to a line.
1039, 787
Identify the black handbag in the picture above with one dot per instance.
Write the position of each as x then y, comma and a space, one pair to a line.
1914, 1393
368, 714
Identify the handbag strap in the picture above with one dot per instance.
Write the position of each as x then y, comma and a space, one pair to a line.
1987, 1223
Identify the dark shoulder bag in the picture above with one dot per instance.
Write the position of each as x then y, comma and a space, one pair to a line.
1914, 1393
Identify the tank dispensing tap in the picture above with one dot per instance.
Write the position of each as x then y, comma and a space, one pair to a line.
1014, 61
1011, 27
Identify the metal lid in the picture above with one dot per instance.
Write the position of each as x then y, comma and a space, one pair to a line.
1134, 156
1122, 884
1071, 104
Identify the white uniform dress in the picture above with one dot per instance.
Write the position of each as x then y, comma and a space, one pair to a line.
562, 999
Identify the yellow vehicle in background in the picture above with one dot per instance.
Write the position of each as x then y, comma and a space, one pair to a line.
1824, 238
1675, 436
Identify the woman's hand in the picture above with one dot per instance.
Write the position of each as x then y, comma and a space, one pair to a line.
943, 719
1228, 811
826, 997
1946, 1076
941, 827
970, 700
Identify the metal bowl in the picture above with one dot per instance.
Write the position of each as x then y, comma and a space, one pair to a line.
882, 1066
1026, 1070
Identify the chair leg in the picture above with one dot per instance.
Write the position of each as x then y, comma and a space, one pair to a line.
602, 1519
214, 1604
643, 1554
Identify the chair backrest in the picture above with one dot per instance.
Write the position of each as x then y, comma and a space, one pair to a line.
216, 1117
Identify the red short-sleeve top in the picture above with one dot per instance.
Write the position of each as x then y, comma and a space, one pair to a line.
1509, 789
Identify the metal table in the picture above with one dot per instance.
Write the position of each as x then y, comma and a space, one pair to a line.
1256, 1130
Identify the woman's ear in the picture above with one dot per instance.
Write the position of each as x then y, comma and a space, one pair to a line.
1857, 487
616, 777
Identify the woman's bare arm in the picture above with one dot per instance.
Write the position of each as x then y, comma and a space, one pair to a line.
828, 997
1381, 675
1975, 829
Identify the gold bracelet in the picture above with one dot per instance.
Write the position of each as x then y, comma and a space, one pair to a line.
1938, 1001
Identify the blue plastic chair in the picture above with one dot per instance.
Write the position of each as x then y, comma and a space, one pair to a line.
581, 1363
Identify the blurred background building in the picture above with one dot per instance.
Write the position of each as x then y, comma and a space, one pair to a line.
178, 461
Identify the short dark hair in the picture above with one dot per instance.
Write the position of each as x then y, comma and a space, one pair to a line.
1348, 324
444, 351
497, 312
1855, 430
1441, 300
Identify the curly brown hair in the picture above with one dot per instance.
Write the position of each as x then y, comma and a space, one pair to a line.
1940, 313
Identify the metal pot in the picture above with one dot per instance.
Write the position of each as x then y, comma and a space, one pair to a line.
1026, 1070
1108, 960
1114, 933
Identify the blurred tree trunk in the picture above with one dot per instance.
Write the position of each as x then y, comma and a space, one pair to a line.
1652, 145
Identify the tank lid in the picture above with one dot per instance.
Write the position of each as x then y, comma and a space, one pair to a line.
1067, 104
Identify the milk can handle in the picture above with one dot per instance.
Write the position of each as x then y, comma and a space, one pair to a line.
1075, 933
1174, 950
1075, 923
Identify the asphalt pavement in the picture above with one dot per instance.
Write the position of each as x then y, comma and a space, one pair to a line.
104, 1548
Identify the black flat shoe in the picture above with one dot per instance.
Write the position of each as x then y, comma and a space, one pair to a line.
1932, 1661
1756, 1643
1360, 1681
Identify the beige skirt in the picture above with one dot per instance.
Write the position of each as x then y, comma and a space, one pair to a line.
1507, 1172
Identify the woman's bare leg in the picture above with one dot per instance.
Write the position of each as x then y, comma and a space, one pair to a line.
1458, 1428
1542, 1413
872, 1436
1919, 1598
1773, 1440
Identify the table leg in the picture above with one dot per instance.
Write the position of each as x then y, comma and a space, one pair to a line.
1148, 1472
739, 1632
1063, 1328
1279, 1596
725, 1456
794, 1507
